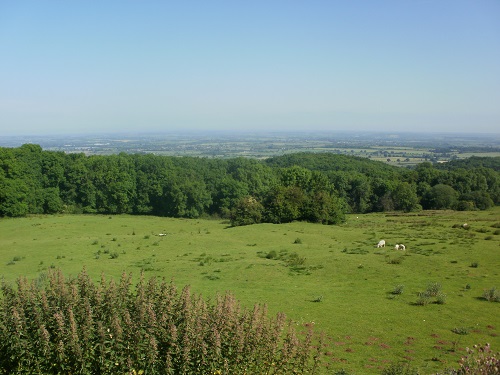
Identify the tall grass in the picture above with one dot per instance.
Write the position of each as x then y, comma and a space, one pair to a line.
53, 326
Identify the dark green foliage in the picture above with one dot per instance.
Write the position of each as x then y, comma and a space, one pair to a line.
312, 187
473, 162
13, 198
440, 196
405, 197
246, 211
58, 326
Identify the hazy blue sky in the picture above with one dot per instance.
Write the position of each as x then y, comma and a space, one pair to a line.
87, 66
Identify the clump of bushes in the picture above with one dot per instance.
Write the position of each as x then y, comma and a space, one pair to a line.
398, 289
432, 294
61, 326
460, 330
492, 295
397, 260
402, 368
479, 360
272, 254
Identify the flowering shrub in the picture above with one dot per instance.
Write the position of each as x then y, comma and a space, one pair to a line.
479, 361
56, 326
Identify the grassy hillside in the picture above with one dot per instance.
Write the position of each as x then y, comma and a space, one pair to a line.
333, 276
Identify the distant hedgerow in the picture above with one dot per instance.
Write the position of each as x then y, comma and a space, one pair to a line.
58, 326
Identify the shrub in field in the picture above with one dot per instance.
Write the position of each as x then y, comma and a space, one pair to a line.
398, 289
272, 254
423, 299
460, 330
433, 291
492, 295
480, 360
58, 326
397, 260
317, 299
400, 369
441, 298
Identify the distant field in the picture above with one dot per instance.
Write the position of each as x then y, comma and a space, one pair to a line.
416, 147
290, 266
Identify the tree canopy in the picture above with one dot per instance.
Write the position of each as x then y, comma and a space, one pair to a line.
317, 187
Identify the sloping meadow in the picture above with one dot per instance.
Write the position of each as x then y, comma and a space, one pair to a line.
375, 306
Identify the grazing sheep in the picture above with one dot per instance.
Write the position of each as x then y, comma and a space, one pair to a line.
402, 247
381, 243
396, 247
465, 226
162, 234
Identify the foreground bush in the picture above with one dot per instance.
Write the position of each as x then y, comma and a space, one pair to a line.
480, 360
55, 326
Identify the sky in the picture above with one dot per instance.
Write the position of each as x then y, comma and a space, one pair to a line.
70, 67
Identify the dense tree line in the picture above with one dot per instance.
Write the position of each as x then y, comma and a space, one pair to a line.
303, 186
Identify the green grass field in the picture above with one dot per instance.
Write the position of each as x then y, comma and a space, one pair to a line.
333, 276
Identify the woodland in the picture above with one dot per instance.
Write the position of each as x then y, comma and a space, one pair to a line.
314, 187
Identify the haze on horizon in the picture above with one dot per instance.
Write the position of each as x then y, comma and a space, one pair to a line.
279, 65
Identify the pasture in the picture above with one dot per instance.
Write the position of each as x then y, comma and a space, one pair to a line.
365, 299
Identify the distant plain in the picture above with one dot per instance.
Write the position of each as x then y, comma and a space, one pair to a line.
398, 149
